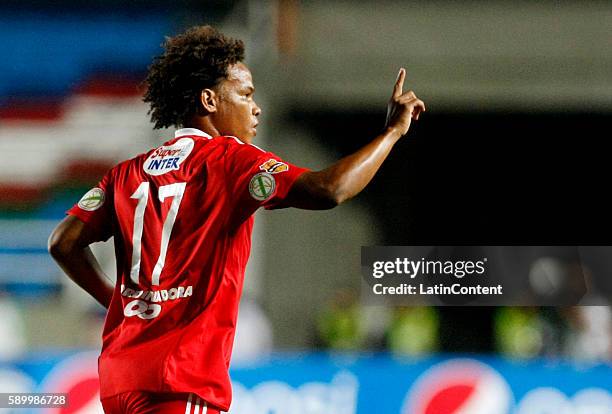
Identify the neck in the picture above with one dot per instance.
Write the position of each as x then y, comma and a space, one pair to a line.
203, 124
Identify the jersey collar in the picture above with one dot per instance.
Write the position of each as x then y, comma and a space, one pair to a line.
190, 131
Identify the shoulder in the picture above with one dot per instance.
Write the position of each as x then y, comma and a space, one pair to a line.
124, 166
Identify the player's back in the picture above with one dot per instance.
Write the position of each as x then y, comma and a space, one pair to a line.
171, 207
181, 217
180, 258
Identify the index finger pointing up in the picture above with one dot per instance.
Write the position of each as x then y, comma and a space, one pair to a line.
399, 83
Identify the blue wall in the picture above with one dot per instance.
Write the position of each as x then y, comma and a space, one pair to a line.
375, 383
47, 55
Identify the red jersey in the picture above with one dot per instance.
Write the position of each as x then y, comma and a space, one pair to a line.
181, 216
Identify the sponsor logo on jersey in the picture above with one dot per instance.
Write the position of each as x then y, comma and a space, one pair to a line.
144, 310
92, 200
158, 295
273, 166
262, 186
168, 158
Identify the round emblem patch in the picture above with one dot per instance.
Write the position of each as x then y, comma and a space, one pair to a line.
262, 186
92, 200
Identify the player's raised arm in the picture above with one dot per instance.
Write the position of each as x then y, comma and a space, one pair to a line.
69, 246
347, 177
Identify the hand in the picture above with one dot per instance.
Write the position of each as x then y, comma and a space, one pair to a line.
402, 107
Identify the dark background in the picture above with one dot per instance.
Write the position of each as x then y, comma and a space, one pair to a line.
482, 179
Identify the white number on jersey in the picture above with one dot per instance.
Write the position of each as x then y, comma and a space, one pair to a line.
176, 191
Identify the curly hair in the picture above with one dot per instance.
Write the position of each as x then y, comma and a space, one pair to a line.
192, 61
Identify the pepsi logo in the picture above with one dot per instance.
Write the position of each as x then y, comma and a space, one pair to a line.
77, 377
459, 386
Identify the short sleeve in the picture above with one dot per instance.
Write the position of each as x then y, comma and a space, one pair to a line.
259, 178
95, 208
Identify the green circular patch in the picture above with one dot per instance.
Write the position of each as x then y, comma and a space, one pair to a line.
92, 200
262, 186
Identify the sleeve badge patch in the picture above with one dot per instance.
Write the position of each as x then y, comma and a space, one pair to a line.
92, 200
273, 166
262, 186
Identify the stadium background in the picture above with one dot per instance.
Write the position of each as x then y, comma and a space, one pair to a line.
511, 151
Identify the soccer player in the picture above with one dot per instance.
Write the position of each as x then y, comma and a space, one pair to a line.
182, 214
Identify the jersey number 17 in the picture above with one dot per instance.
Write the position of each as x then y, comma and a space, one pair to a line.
176, 191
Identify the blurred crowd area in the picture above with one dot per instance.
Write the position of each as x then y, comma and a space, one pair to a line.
579, 333
509, 153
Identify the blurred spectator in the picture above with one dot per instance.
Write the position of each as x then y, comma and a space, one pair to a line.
339, 326
414, 331
590, 337
555, 330
518, 332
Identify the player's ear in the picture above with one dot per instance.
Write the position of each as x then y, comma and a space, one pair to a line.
208, 101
